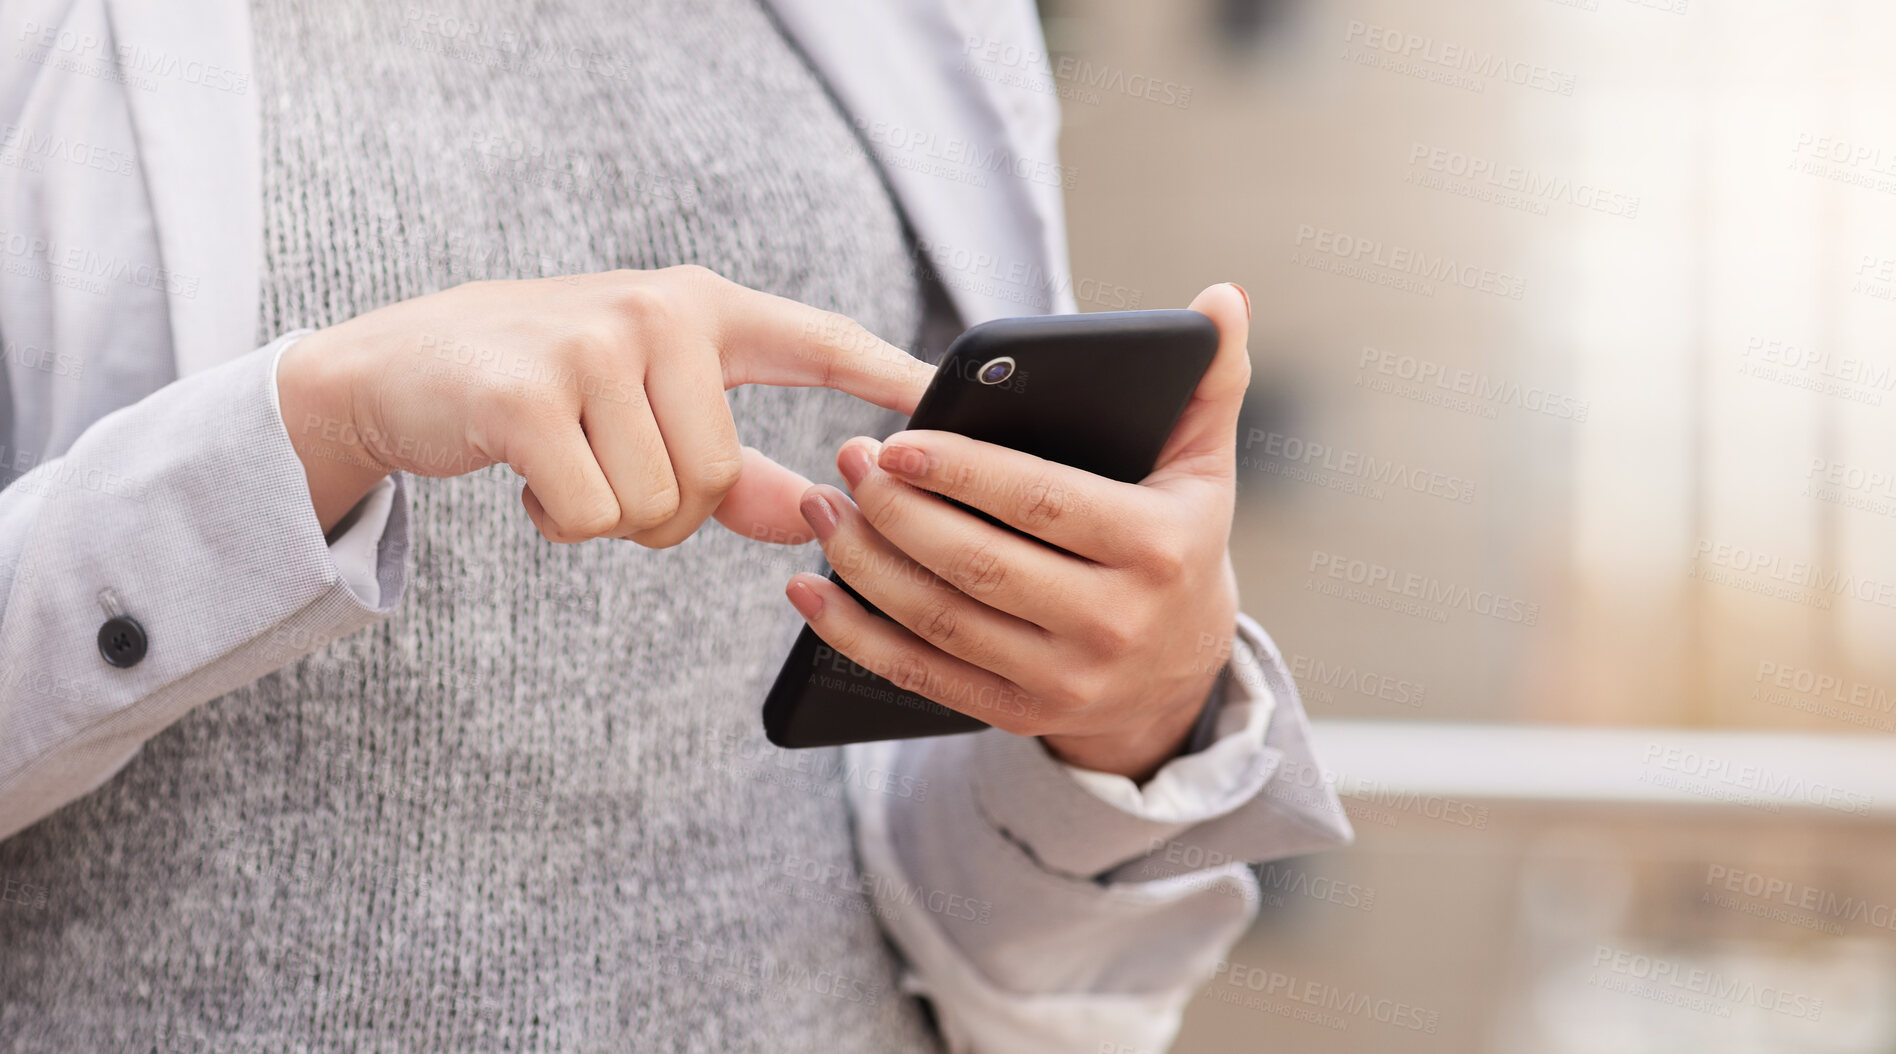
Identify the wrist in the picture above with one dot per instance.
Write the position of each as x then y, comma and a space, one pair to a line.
1139, 751
315, 396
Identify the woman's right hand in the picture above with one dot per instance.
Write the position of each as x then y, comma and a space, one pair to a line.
606, 391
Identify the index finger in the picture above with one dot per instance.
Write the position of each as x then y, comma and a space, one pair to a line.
1086, 514
774, 340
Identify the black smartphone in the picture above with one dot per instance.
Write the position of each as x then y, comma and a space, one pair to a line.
1100, 392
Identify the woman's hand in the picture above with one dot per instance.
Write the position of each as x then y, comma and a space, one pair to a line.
1108, 653
606, 391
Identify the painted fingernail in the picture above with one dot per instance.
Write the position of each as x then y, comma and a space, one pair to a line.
854, 462
904, 460
820, 514
1247, 299
807, 601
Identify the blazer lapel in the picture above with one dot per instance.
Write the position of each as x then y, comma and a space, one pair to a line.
195, 110
980, 189
979, 184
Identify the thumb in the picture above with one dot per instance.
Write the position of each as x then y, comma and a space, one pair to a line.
763, 505
1204, 443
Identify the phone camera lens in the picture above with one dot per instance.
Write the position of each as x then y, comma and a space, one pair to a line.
994, 371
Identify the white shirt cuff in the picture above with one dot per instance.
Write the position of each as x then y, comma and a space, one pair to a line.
1212, 781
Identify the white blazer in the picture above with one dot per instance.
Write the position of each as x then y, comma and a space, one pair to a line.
152, 462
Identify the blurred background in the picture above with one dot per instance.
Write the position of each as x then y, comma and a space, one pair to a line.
1566, 489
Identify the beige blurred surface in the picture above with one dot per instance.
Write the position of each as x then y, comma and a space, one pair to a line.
1575, 349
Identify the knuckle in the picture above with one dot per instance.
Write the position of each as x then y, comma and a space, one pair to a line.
1164, 556
598, 518
1043, 503
1014, 724
1078, 690
978, 570
650, 510
848, 559
596, 340
719, 474
537, 421
885, 515
646, 305
939, 623
964, 479
845, 640
909, 671
696, 274
1110, 636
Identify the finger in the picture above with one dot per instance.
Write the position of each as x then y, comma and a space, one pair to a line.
997, 567
912, 664
566, 496
763, 505
1085, 514
1204, 442
630, 449
912, 595
768, 339
699, 440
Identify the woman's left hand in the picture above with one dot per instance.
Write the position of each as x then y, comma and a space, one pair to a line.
1109, 653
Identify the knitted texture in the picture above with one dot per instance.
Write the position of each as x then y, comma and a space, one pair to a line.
534, 810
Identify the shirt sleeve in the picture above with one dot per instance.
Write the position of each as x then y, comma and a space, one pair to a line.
192, 509
1042, 907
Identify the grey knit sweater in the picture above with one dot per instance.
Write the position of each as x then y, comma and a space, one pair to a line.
533, 811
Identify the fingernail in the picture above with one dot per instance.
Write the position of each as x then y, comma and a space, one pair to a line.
807, 601
903, 460
819, 513
854, 463
1247, 299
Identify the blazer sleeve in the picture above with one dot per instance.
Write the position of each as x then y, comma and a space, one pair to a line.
1040, 909
191, 508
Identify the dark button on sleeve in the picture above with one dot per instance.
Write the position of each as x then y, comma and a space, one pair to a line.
122, 641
